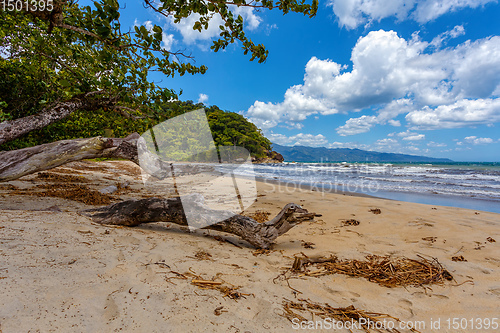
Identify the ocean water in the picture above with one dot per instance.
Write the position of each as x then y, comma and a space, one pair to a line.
467, 185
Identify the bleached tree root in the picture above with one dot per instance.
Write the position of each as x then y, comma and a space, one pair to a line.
260, 235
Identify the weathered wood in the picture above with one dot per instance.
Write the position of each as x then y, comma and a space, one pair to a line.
17, 163
261, 235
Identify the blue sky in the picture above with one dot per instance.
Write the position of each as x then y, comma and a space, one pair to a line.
401, 76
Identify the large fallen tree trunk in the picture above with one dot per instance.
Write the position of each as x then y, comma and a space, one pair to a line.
17, 163
260, 235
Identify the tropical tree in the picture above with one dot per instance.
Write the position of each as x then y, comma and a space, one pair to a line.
59, 57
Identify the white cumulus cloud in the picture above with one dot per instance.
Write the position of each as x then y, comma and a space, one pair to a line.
353, 13
202, 98
417, 137
357, 125
452, 87
300, 139
459, 114
478, 141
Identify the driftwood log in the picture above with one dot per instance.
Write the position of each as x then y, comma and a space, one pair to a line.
18, 163
260, 235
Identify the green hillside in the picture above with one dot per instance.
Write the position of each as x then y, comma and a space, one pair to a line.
322, 154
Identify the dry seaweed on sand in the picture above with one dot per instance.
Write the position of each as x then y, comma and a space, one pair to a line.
368, 321
350, 222
203, 255
376, 211
215, 283
8, 187
262, 252
74, 192
307, 245
55, 177
384, 270
225, 288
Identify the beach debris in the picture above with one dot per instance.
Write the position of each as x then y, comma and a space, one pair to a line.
479, 245
227, 289
368, 321
491, 240
352, 222
216, 283
218, 311
308, 245
259, 252
203, 255
8, 187
430, 239
261, 235
458, 258
56, 178
301, 263
385, 270
376, 211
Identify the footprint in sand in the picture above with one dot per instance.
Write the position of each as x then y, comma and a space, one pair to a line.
419, 222
110, 309
406, 305
495, 291
405, 302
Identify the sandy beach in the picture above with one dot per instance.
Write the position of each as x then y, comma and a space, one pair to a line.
61, 272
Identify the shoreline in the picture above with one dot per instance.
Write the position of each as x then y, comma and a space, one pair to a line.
491, 206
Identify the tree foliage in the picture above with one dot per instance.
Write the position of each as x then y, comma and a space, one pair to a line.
80, 53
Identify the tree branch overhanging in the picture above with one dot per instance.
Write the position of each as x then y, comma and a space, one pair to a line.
12, 129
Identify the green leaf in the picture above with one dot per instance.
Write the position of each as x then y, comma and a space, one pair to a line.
65, 83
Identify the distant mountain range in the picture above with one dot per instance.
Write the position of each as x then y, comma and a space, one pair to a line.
322, 154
